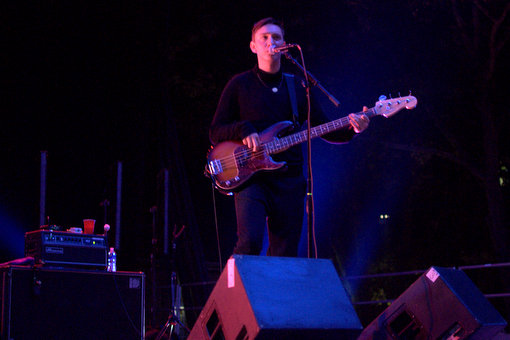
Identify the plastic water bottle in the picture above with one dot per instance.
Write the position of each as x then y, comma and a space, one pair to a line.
112, 261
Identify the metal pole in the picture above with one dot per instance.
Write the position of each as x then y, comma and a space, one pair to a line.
154, 211
166, 189
42, 197
118, 206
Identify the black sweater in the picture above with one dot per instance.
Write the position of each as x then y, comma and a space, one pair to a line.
249, 105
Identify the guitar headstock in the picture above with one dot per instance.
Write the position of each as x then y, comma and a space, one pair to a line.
388, 107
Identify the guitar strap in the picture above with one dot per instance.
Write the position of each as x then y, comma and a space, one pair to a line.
289, 79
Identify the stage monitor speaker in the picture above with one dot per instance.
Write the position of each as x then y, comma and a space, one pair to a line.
68, 304
259, 297
442, 304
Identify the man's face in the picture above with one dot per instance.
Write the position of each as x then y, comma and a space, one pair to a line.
265, 37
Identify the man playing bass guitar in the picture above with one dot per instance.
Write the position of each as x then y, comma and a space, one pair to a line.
251, 102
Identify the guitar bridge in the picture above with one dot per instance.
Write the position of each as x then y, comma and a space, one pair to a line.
215, 167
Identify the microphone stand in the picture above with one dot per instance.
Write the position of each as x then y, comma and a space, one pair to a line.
105, 204
153, 210
173, 319
310, 80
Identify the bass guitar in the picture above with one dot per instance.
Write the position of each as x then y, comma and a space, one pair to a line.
231, 163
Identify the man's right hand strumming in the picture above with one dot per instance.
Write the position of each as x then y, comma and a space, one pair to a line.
252, 141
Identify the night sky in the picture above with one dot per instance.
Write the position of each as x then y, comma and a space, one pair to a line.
138, 82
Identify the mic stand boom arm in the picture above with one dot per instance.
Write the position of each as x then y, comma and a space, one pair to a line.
312, 80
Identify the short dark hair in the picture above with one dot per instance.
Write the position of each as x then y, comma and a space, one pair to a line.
266, 21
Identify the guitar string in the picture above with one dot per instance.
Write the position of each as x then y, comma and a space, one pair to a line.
245, 153
248, 153
231, 160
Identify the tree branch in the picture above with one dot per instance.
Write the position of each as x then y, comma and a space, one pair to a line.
494, 46
484, 10
496, 27
461, 25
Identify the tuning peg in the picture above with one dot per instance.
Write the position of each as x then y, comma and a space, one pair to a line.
382, 97
390, 96
399, 94
410, 93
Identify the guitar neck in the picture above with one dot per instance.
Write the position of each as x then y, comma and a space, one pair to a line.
281, 144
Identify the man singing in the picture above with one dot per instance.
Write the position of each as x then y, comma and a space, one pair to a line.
251, 102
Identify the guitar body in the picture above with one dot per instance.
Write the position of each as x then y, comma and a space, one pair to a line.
230, 164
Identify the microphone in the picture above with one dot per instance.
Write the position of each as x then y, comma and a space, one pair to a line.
106, 229
283, 48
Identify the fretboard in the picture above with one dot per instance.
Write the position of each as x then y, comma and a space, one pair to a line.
281, 144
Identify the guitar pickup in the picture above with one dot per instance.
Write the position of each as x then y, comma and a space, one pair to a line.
215, 167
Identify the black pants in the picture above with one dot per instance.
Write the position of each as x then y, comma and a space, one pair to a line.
276, 202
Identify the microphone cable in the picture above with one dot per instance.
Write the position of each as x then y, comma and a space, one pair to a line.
311, 237
215, 209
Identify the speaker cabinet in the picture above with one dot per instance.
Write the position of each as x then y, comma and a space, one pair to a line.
442, 304
259, 297
68, 304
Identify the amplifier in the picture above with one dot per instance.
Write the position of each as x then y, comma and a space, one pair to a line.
62, 304
60, 248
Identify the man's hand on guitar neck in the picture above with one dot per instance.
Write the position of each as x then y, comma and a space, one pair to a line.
359, 122
252, 141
